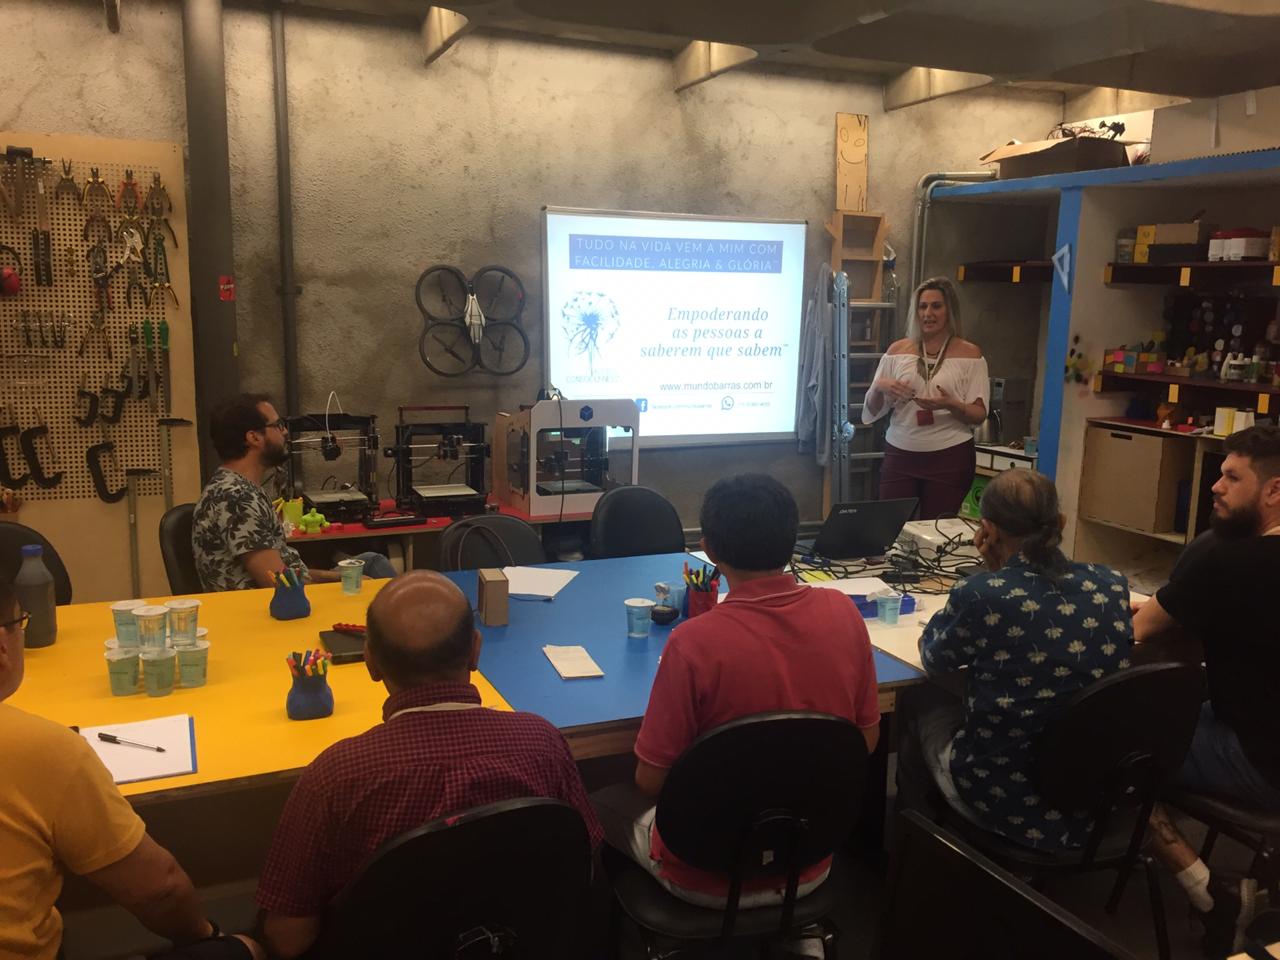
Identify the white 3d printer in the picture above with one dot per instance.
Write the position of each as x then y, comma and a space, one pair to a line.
557, 457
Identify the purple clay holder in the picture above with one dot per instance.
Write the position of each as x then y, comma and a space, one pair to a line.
310, 698
290, 603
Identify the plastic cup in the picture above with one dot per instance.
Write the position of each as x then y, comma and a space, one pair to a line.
638, 616
122, 671
126, 625
183, 615
153, 627
1030, 446
352, 572
193, 664
158, 670
888, 606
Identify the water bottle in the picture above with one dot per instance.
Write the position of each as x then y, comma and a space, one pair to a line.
34, 586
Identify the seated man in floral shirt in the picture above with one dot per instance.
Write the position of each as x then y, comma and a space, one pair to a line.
1031, 632
236, 536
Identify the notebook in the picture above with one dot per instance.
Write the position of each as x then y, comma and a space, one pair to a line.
128, 764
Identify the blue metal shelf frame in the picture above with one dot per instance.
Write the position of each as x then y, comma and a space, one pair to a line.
1069, 187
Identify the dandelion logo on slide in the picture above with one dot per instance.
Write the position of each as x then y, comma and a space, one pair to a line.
589, 320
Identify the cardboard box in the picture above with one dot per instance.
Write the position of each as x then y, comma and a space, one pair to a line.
1193, 231
1211, 127
1130, 479
1067, 155
492, 597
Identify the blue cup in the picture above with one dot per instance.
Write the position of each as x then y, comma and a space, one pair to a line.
888, 606
126, 625
638, 619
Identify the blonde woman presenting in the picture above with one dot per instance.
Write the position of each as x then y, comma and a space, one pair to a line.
934, 387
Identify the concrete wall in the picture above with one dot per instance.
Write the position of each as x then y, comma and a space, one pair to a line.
397, 166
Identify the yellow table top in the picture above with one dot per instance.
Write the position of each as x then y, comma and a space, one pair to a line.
240, 722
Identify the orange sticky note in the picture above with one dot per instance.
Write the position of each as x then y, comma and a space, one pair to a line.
1017, 274
1184, 277
1173, 393
1264, 403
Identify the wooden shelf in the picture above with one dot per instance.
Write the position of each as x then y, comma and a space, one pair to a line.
1178, 538
1189, 274
1005, 271
1118, 379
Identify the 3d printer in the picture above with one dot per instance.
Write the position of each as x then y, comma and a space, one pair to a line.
330, 435
558, 456
439, 466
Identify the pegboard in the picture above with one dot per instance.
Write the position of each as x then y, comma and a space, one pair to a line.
49, 348
93, 538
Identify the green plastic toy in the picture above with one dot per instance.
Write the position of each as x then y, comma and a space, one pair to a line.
312, 522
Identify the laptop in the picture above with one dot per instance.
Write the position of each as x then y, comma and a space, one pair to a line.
866, 528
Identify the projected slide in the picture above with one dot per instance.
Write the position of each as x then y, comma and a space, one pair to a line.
697, 320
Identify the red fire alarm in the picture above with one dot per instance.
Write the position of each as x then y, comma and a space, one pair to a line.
226, 288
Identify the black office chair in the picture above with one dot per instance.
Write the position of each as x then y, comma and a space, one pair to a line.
176, 550
1256, 828
766, 795
507, 879
1111, 751
634, 522
490, 540
975, 908
15, 536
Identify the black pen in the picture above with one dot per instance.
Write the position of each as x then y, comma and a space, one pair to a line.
112, 738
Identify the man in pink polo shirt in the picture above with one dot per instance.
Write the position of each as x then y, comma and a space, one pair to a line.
772, 645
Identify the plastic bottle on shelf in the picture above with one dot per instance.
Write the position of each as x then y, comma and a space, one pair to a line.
34, 587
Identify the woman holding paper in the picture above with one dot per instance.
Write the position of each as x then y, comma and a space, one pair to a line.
934, 386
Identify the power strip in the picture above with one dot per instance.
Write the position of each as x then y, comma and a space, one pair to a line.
930, 537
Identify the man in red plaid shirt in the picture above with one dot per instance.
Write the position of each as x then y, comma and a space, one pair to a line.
437, 752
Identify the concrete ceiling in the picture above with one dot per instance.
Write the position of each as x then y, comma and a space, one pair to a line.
1191, 48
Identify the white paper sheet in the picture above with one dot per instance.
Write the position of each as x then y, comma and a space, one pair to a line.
128, 764
536, 581
572, 663
855, 586
700, 556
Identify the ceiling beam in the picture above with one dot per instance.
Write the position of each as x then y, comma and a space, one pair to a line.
703, 59
918, 84
441, 29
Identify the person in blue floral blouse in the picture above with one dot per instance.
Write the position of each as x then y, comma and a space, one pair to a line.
1031, 632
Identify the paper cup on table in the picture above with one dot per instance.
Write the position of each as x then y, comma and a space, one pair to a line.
122, 671
184, 612
638, 619
126, 625
888, 607
153, 627
158, 670
352, 572
193, 664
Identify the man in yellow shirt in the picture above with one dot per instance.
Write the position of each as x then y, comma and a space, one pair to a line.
60, 811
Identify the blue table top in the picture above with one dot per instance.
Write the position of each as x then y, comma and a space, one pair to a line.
589, 612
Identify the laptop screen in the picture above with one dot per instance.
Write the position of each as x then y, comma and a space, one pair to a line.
864, 528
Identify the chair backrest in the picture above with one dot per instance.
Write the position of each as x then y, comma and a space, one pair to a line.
514, 875
490, 540
764, 795
15, 536
634, 521
1120, 738
972, 908
176, 550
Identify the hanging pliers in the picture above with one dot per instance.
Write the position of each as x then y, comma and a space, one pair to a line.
67, 184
